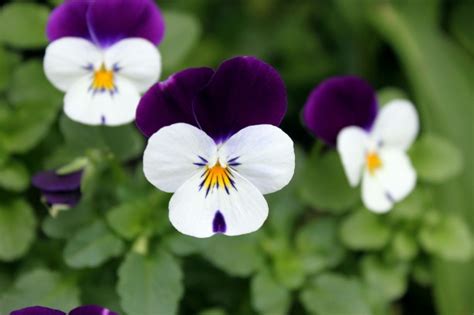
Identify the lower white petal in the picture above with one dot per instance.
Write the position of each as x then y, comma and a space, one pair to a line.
175, 153
397, 124
397, 174
111, 108
197, 212
263, 154
374, 195
68, 59
136, 59
352, 146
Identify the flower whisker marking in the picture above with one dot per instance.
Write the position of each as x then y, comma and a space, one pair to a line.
217, 177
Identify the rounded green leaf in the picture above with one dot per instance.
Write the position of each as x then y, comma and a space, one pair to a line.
268, 296
290, 269
41, 287
331, 294
436, 159
14, 176
8, 61
17, 227
404, 246
150, 285
364, 230
23, 24
91, 246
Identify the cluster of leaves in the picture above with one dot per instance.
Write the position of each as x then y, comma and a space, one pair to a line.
319, 253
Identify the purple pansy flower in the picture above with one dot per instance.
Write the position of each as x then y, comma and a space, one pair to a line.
337, 103
82, 310
59, 191
214, 143
103, 56
372, 145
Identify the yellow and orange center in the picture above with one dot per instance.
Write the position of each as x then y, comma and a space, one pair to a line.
217, 176
373, 162
103, 79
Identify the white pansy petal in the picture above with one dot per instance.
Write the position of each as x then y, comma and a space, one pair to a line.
110, 108
352, 145
397, 124
68, 59
197, 212
136, 59
263, 154
175, 153
374, 195
397, 174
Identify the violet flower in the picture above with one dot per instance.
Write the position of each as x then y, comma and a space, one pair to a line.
103, 55
214, 144
82, 310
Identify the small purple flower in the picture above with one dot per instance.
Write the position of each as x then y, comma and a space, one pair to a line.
103, 55
214, 143
337, 103
82, 310
59, 191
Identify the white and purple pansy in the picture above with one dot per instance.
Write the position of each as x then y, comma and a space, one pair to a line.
372, 143
215, 144
82, 310
103, 55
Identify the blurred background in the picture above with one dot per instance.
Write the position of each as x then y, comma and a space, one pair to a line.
320, 251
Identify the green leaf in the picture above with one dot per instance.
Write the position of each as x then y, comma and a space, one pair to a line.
150, 285
318, 244
364, 230
17, 225
268, 296
23, 25
389, 279
461, 24
325, 185
412, 207
436, 159
289, 269
182, 33
67, 223
237, 256
41, 287
331, 294
183, 245
448, 237
91, 246
14, 176
387, 94
8, 61
404, 246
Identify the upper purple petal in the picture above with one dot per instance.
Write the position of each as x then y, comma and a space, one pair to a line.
170, 101
69, 19
37, 310
337, 103
244, 91
50, 181
112, 20
69, 198
91, 310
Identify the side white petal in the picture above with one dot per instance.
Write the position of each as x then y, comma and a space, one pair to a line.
170, 156
136, 59
397, 174
397, 124
112, 109
243, 210
374, 195
66, 61
263, 154
352, 144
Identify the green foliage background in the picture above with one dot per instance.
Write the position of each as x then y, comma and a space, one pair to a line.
320, 251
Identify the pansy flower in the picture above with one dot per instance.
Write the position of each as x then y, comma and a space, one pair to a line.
372, 145
59, 191
82, 310
215, 144
103, 55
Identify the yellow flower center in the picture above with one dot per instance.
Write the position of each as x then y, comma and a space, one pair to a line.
373, 162
103, 80
217, 177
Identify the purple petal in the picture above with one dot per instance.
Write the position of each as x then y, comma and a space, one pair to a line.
69, 19
91, 310
112, 20
70, 199
51, 182
337, 103
37, 310
170, 101
244, 91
